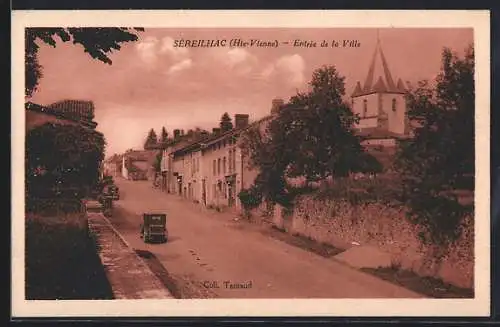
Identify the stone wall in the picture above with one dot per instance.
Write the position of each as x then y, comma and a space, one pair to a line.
339, 223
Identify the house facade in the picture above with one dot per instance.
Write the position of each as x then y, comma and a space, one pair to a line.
112, 166
138, 165
208, 171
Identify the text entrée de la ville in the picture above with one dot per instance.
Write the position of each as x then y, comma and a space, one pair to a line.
258, 43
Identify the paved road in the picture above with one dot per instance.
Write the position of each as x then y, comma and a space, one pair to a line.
207, 249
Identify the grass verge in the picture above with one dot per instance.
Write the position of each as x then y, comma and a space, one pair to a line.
429, 286
306, 243
62, 263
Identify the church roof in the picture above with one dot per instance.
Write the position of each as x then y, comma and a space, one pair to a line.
379, 78
357, 90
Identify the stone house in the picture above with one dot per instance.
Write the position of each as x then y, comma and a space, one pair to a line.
209, 170
138, 164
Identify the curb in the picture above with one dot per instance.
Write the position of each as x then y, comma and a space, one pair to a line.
128, 274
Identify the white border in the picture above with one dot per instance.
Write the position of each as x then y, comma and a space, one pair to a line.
479, 20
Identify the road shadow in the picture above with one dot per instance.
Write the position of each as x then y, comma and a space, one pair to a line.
181, 287
159, 270
301, 241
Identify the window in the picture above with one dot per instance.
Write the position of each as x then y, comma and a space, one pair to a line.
214, 167
230, 160
218, 166
234, 159
394, 105
365, 107
224, 165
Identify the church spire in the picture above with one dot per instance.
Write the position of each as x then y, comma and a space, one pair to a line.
379, 74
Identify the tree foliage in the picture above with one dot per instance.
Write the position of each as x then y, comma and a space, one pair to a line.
157, 162
311, 137
250, 198
62, 156
439, 160
151, 140
226, 124
163, 136
97, 42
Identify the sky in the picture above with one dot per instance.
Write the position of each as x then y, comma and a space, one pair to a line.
153, 84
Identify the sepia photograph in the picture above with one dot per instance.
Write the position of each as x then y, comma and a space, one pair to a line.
232, 162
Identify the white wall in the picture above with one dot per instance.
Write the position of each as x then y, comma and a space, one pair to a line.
370, 119
124, 169
396, 119
216, 196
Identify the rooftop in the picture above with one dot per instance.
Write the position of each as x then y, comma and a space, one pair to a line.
81, 112
379, 78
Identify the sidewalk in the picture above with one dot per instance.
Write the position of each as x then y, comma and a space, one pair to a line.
128, 274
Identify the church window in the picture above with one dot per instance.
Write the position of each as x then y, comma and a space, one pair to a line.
365, 107
394, 105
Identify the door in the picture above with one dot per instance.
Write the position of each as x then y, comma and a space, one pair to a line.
203, 192
230, 192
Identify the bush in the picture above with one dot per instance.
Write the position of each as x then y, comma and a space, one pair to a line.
250, 198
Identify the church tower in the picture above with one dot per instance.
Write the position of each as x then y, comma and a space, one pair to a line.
380, 102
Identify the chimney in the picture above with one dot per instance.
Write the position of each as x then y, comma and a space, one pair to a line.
216, 131
241, 120
276, 106
177, 133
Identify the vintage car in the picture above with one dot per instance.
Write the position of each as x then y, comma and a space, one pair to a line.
154, 227
107, 204
112, 191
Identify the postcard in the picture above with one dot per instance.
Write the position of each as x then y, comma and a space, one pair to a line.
250, 163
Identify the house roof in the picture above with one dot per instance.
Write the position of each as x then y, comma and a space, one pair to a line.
212, 139
81, 109
116, 158
61, 111
138, 155
379, 78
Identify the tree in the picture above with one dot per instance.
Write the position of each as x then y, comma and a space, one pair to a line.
97, 42
311, 137
163, 136
62, 156
439, 159
226, 123
151, 140
157, 162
